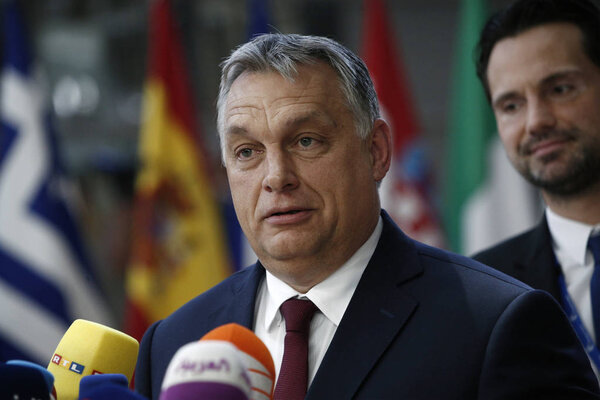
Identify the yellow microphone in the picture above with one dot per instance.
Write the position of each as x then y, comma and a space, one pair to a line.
89, 348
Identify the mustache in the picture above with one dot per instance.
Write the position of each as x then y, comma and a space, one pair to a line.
532, 142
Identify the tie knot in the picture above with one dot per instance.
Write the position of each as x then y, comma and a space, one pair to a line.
594, 246
298, 314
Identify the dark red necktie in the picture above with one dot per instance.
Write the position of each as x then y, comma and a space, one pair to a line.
293, 376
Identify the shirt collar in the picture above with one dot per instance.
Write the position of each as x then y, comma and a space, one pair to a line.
332, 295
569, 237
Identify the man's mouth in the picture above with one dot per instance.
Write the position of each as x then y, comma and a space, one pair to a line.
285, 217
286, 212
548, 143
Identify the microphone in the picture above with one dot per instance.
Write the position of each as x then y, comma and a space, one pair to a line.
89, 348
47, 375
255, 355
23, 383
92, 382
106, 387
206, 370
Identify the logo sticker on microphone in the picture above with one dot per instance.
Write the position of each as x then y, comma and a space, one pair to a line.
70, 365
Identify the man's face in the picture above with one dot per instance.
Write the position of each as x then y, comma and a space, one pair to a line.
303, 182
546, 97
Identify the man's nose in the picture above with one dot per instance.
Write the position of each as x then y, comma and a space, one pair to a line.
540, 116
280, 172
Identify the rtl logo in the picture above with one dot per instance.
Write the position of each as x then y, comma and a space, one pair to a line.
71, 365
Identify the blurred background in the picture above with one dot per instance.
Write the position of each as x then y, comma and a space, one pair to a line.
92, 66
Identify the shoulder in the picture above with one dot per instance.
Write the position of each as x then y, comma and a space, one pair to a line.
519, 247
520, 240
411, 258
466, 272
525, 330
533, 339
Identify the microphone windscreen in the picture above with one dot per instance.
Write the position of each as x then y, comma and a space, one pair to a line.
89, 348
206, 370
92, 382
48, 377
23, 383
256, 356
106, 387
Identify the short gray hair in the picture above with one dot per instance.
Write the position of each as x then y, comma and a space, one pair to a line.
284, 52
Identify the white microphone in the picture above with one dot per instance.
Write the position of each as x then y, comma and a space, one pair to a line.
254, 353
210, 369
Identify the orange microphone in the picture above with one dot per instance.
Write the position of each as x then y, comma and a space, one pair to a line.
254, 354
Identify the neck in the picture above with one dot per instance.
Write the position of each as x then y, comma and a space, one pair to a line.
582, 207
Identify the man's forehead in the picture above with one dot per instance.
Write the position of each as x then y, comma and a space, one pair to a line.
312, 94
300, 75
240, 124
555, 39
537, 53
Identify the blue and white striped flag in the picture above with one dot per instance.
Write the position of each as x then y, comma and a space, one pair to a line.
45, 278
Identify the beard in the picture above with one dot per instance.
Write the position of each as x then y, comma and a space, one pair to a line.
579, 169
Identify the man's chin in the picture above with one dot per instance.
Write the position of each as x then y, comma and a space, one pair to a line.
548, 173
288, 248
560, 183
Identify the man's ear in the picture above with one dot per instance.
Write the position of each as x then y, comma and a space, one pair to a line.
380, 142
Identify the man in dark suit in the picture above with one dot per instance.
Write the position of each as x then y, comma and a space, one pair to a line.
539, 62
305, 150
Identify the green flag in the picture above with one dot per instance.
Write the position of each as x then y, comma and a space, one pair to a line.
471, 123
486, 200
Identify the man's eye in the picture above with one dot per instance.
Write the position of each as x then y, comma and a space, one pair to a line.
244, 153
562, 89
306, 141
509, 107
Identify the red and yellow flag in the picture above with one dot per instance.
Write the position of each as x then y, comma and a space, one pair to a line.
178, 239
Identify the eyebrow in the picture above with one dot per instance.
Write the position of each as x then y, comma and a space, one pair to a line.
560, 75
236, 130
549, 79
313, 116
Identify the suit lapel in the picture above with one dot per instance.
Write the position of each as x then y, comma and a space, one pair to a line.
241, 307
538, 268
377, 312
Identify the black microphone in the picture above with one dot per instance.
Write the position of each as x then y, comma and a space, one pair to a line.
23, 383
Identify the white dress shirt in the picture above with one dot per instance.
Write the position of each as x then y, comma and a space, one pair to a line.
569, 240
331, 296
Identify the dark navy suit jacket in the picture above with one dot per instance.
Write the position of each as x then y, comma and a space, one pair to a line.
423, 323
529, 257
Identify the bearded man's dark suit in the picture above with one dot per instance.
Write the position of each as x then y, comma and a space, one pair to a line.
528, 257
422, 324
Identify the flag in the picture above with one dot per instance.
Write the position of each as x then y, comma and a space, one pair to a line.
46, 280
178, 248
405, 190
485, 199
